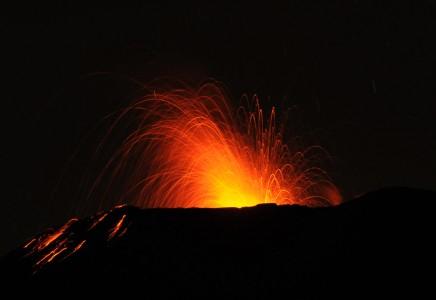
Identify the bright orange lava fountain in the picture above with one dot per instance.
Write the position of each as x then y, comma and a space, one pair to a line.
191, 149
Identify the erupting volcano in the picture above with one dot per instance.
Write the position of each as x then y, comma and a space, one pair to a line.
190, 148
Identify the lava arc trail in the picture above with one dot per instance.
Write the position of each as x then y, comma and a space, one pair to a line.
190, 148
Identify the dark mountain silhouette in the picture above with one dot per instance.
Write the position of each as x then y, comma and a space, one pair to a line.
381, 241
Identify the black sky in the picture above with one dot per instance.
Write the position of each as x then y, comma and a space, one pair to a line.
358, 75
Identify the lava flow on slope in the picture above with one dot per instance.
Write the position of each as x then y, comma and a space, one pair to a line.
366, 244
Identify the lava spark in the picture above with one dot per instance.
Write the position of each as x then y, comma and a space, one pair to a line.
191, 149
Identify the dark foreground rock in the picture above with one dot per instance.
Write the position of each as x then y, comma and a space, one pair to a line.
380, 242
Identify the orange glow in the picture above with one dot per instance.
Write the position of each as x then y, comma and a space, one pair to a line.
190, 149
29, 243
98, 221
54, 236
49, 257
66, 240
117, 227
77, 248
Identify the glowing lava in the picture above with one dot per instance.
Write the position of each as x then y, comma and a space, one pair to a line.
190, 149
62, 243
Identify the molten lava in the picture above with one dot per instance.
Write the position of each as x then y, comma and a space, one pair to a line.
190, 149
58, 245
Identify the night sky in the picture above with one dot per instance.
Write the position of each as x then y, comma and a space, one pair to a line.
359, 77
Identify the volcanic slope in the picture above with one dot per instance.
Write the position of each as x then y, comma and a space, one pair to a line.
381, 240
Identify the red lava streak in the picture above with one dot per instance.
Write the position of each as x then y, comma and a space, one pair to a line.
69, 239
117, 227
